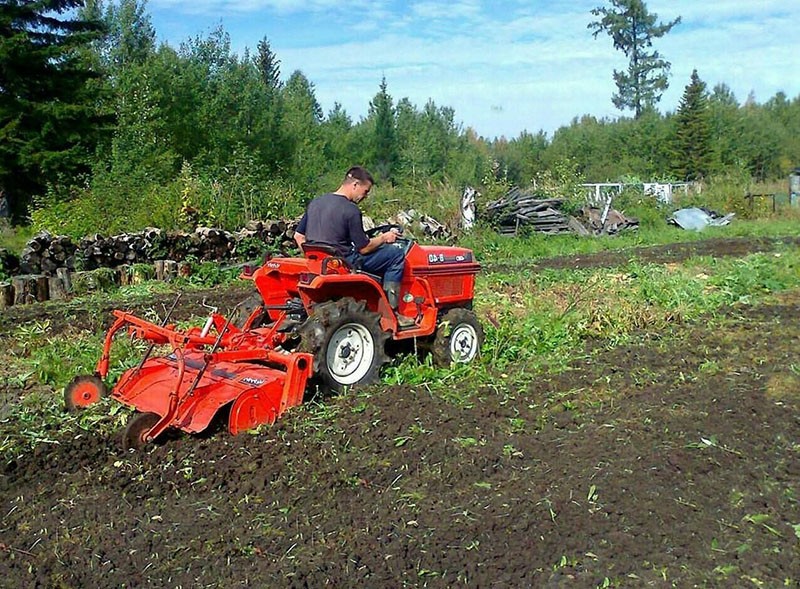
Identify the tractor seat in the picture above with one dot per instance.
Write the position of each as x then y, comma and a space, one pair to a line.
316, 250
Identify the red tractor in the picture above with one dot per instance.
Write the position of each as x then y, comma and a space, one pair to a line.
313, 316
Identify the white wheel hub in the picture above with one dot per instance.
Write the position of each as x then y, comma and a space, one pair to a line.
351, 353
463, 343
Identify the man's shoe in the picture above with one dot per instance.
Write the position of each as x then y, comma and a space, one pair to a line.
392, 294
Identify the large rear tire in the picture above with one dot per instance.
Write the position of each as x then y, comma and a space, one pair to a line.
347, 342
459, 337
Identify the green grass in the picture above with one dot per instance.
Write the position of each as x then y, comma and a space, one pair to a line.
492, 248
535, 322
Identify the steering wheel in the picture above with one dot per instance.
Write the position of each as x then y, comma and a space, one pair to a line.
383, 229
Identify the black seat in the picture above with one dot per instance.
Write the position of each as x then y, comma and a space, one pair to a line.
318, 246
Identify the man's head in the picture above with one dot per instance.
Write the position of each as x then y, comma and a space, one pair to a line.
356, 184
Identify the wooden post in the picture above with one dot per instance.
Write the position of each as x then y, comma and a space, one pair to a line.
159, 267
56, 288
125, 275
6, 295
24, 289
42, 288
170, 270
66, 279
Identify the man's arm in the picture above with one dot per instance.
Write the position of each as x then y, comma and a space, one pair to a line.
377, 241
300, 239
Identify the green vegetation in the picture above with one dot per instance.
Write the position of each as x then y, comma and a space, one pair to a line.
175, 137
535, 322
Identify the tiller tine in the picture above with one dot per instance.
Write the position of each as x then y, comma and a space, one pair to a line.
204, 373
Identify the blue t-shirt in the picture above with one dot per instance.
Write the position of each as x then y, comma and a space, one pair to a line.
333, 219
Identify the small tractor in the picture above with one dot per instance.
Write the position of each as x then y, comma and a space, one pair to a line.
313, 319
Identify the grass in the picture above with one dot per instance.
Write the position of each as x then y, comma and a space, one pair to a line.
535, 323
492, 248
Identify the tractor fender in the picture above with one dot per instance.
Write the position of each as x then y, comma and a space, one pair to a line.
329, 287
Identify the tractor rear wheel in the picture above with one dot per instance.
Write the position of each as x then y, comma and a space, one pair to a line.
458, 338
347, 342
247, 308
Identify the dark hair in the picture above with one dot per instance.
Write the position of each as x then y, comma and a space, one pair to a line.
358, 173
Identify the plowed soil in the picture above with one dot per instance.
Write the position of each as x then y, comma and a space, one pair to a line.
670, 462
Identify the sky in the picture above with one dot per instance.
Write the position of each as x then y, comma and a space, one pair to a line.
504, 66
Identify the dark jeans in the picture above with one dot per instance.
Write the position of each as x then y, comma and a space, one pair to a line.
387, 261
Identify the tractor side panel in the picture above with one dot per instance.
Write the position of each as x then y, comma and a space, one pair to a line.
449, 271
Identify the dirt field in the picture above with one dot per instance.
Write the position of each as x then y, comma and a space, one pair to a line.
672, 462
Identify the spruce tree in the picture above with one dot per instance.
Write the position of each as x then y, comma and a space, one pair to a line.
633, 28
692, 154
381, 110
48, 125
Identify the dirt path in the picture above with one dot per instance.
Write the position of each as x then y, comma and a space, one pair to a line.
664, 463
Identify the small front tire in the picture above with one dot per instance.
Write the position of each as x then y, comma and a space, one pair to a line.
458, 338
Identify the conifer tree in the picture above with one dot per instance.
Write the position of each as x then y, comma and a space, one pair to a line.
48, 125
381, 110
692, 154
633, 28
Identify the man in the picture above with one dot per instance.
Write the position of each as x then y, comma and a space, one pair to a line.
335, 219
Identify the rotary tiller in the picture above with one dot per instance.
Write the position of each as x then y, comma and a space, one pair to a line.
206, 369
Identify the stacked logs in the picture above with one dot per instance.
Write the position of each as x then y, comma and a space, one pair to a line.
50, 267
519, 209
44, 253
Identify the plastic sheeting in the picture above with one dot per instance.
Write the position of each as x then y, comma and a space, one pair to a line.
695, 219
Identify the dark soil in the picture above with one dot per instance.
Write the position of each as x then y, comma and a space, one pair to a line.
667, 463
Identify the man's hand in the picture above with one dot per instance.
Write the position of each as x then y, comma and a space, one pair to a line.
390, 236
377, 241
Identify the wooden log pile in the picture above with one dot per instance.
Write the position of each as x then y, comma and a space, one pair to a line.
606, 221
96, 251
520, 209
415, 223
44, 253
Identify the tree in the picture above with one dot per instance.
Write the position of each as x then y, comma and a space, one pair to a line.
269, 65
692, 154
633, 29
302, 124
382, 112
48, 126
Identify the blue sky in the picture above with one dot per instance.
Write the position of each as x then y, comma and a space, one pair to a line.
505, 66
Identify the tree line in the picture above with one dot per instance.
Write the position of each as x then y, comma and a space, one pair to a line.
102, 127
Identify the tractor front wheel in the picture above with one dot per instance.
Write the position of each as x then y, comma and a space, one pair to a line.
458, 339
347, 342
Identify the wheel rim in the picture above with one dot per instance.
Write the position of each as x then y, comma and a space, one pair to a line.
463, 343
351, 353
84, 391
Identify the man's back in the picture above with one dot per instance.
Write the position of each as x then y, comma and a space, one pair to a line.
332, 218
